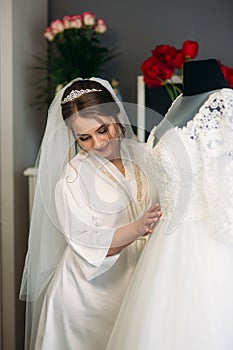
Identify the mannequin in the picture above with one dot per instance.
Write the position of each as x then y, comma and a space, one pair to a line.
181, 293
201, 78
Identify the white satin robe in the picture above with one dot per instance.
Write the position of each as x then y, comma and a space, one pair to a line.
86, 291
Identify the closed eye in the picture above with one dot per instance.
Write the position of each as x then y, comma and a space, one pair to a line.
84, 138
103, 130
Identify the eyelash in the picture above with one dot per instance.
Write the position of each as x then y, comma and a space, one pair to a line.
101, 131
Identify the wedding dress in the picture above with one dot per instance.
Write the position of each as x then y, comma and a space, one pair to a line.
181, 293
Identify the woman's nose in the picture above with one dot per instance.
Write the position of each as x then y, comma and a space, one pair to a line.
97, 140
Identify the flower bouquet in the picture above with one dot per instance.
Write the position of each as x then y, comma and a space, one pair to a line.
165, 66
75, 49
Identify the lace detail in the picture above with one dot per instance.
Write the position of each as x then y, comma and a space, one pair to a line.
179, 184
215, 114
194, 167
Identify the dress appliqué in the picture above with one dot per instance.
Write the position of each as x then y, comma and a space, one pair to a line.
194, 167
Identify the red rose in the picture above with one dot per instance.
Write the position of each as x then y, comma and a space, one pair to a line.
165, 72
174, 58
148, 64
189, 49
160, 52
168, 55
150, 82
155, 73
229, 77
165, 61
228, 73
223, 68
150, 72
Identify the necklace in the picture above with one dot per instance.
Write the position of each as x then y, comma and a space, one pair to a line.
137, 174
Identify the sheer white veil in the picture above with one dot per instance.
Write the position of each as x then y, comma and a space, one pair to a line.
46, 243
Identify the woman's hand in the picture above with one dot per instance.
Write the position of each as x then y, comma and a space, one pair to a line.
146, 223
127, 234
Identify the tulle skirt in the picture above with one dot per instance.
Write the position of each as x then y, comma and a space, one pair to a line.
181, 294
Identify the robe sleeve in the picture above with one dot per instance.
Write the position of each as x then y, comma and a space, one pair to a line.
90, 242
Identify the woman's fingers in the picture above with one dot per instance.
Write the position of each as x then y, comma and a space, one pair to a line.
150, 218
154, 207
152, 221
155, 210
154, 214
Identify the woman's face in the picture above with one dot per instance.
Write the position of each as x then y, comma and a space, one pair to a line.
98, 136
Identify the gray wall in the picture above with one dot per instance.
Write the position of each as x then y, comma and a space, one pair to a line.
136, 29
29, 21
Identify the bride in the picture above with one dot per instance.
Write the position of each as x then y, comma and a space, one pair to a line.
94, 203
181, 293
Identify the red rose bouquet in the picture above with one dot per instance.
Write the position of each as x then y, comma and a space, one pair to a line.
165, 66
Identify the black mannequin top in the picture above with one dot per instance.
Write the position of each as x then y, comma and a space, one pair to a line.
201, 78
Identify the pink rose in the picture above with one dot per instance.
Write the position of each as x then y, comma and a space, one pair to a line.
88, 18
101, 26
66, 21
48, 34
57, 26
76, 21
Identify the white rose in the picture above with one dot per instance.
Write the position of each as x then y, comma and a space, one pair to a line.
76, 21
101, 26
57, 26
66, 21
88, 18
48, 34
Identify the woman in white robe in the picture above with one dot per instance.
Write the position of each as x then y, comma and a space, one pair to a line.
97, 210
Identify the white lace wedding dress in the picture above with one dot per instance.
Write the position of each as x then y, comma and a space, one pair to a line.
181, 294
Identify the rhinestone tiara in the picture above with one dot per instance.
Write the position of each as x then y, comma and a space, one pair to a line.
77, 93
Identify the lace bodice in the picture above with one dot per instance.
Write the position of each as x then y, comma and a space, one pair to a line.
194, 167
